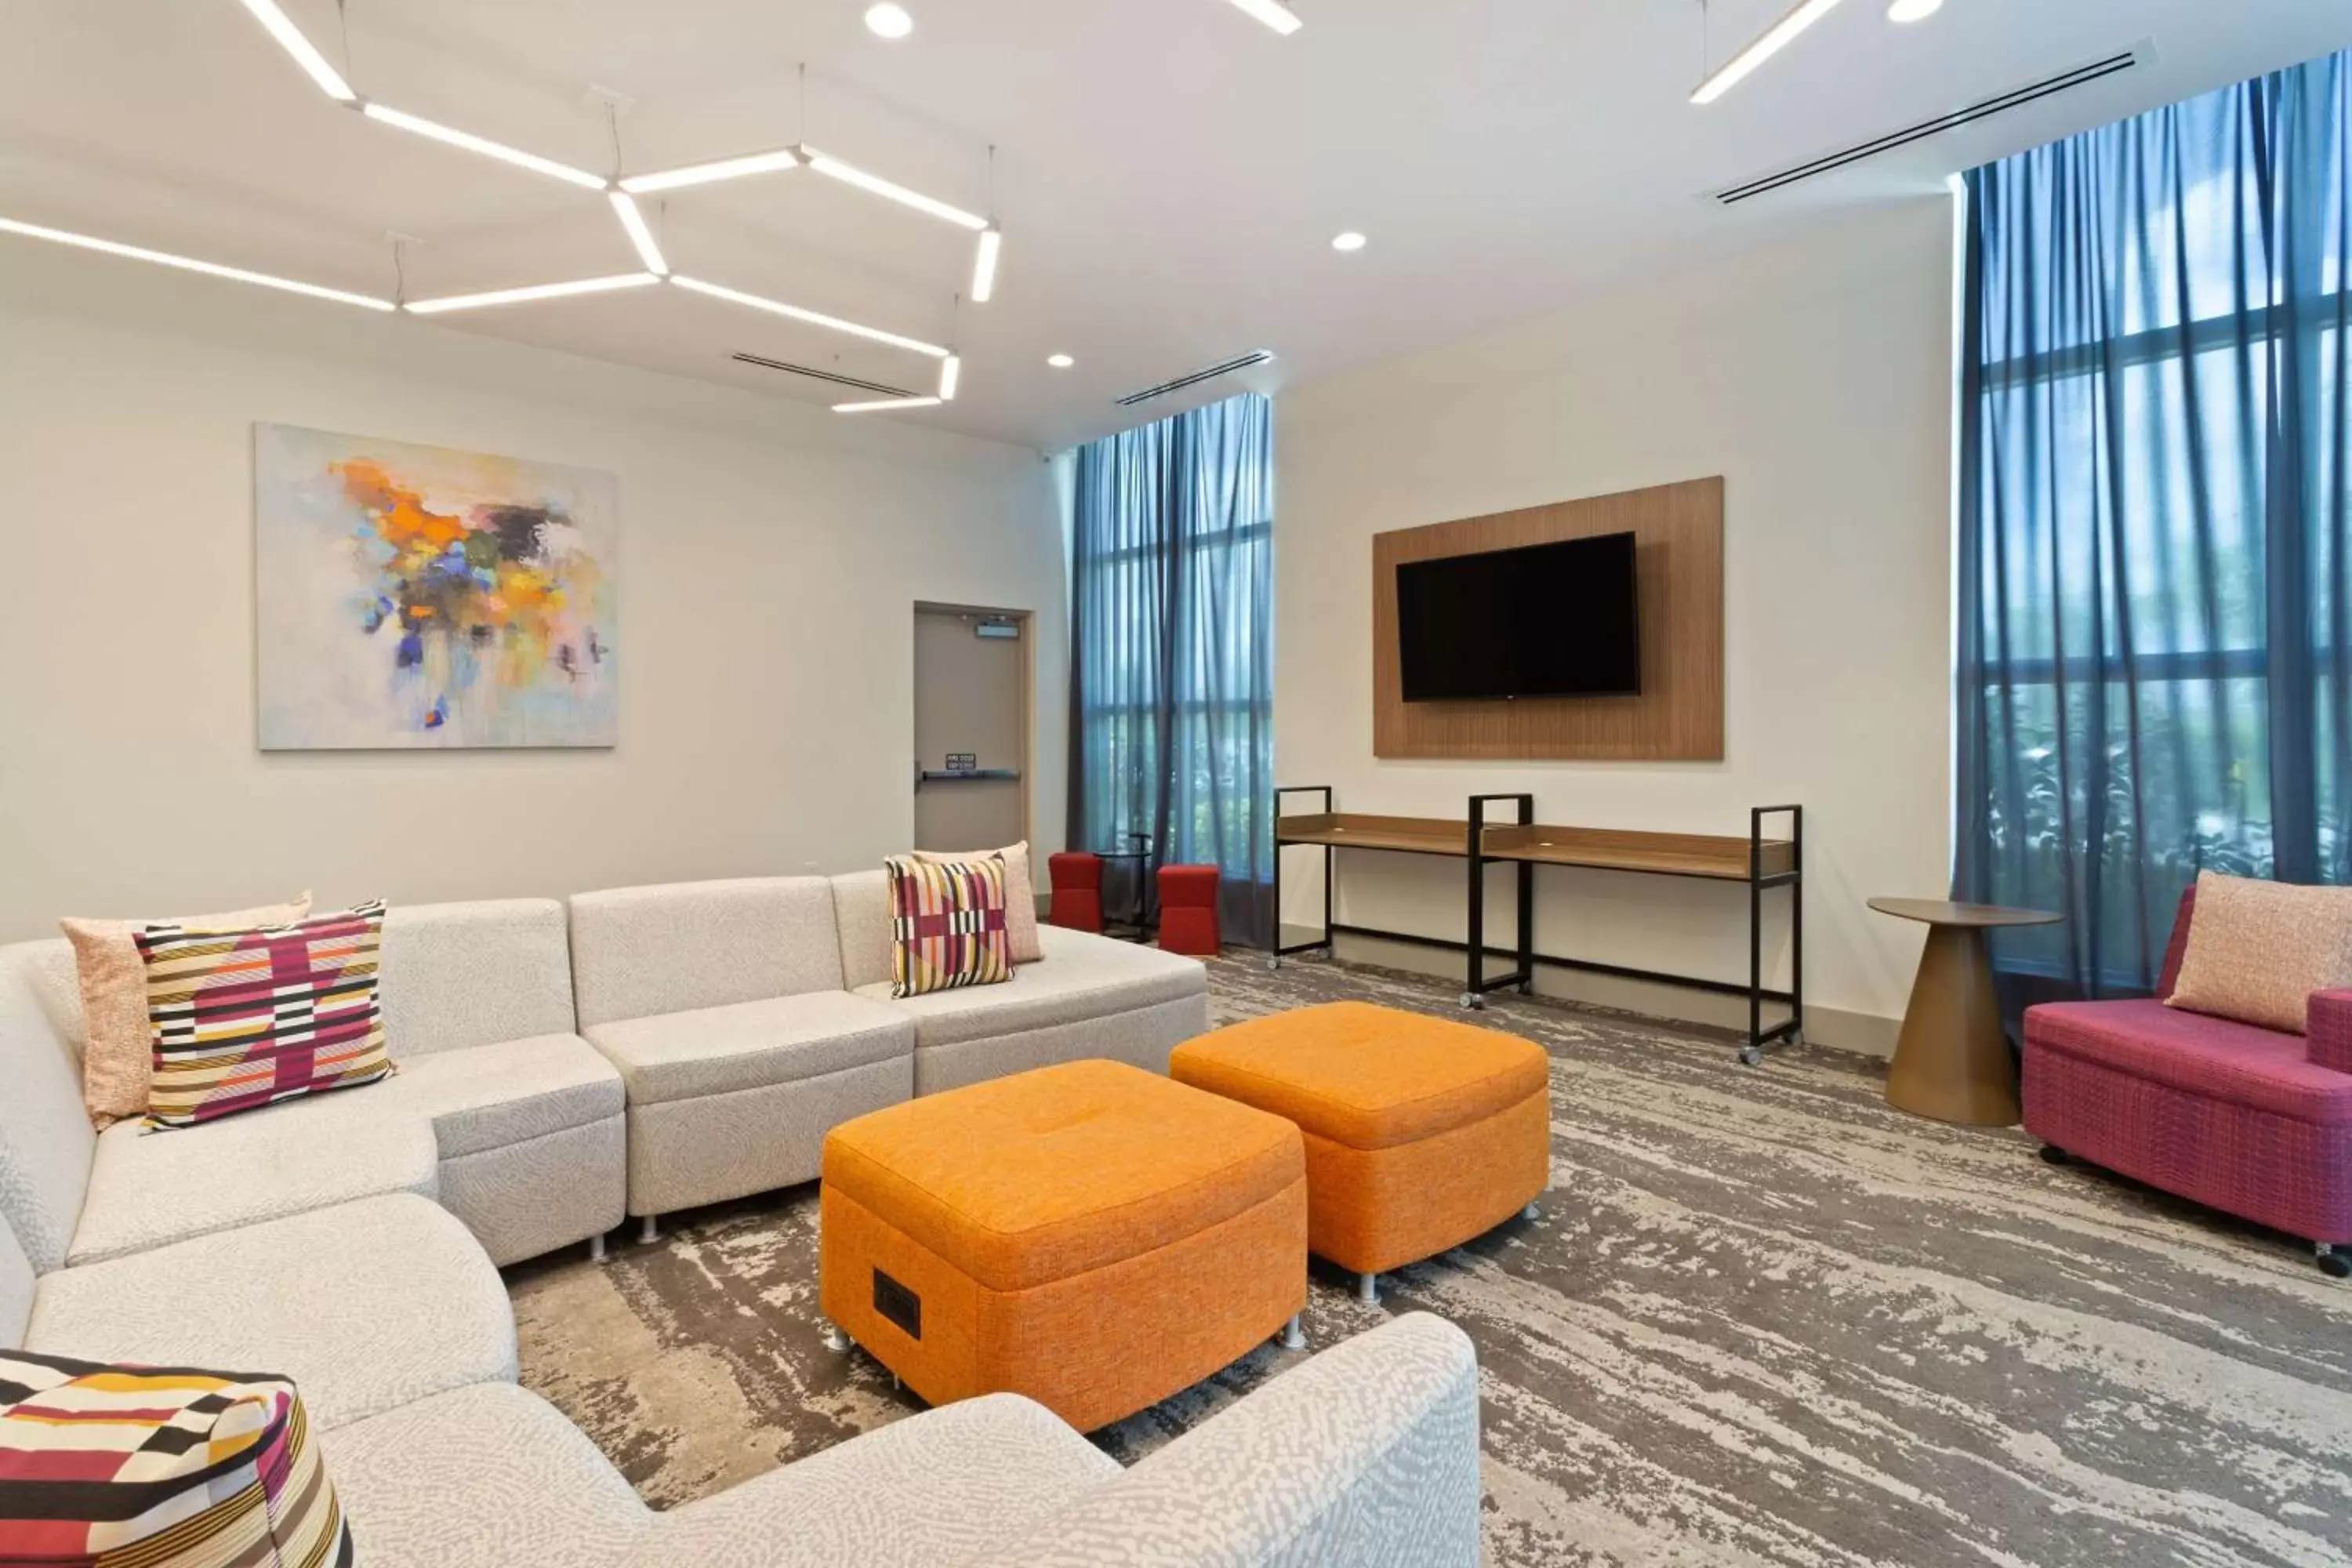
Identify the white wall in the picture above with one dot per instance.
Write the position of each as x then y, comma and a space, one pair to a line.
1816, 378
772, 554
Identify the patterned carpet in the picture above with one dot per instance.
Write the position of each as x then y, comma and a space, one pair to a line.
1765, 1320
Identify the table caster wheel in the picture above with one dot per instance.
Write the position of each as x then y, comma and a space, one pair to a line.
2334, 1264
1751, 1056
2052, 1155
1274, 967
1474, 1002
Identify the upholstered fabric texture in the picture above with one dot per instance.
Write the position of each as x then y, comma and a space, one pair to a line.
751, 1044
1365, 1454
146, 1189
946, 924
1765, 1320
1082, 977
167, 1469
367, 1306
115, 1049
637, 951
1019, 894
45, 1140
248, 1018
464, 974
1140, 1037
2257, 950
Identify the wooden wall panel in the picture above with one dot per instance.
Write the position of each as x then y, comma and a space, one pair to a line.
1678, 565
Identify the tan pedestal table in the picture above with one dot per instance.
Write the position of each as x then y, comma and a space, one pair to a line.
1952, 1062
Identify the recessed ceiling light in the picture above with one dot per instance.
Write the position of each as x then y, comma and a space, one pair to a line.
888, 21
1350, 240
1913, 10
1060, 361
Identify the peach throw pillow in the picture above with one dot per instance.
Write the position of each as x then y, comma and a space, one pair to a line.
1019, 896
116, 1054
2258, 950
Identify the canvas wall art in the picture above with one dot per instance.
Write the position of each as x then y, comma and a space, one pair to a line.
420, 597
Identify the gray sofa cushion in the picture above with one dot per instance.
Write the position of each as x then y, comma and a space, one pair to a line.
861, 918
1081, 977
455, 976
17, 1280
487, 1476
638, 951
46, 1142
751, 1044
486, 1097
927, 1490
149, 1189
366, 1307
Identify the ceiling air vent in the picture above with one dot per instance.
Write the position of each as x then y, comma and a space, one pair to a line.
1198, 377
2002, 103
836, 378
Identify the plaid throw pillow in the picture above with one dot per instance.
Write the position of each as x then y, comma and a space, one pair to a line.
946, 924
241, 1019
160, 1466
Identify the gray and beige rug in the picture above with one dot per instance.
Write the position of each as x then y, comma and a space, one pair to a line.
1765, 1320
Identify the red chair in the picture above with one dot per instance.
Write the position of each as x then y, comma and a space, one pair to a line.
1188, 910
1077, 890
2244, 1119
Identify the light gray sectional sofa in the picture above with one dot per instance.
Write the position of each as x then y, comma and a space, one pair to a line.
653, 1048
749, 1017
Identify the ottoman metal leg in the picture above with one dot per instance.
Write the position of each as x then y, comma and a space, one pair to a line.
1292, 1337
1533, 1211
835, 1340
597, 1248
1368, 1288
647, 1230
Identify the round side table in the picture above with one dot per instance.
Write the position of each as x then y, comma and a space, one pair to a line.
1952, 1062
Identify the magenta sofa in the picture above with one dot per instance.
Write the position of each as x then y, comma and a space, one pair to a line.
2244, 1119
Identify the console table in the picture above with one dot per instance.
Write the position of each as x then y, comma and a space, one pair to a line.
1758, 862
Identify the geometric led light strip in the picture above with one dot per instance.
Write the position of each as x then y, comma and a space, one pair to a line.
621, 194
1742, 66
1281, 19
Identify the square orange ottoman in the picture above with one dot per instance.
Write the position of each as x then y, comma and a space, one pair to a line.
1091, 1234
1421, 1133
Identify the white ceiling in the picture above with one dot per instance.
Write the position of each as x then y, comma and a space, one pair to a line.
1169, 173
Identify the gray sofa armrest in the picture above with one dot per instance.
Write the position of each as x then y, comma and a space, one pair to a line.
1367, 1455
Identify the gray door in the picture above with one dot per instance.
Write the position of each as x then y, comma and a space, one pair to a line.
971, 728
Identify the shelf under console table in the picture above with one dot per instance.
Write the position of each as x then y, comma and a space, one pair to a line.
1756, 861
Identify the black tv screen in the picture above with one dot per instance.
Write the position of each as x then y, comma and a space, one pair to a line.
1544, 620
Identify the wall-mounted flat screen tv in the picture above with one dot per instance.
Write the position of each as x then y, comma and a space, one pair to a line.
1543, 620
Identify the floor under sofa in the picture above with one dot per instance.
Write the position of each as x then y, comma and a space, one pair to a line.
1765, 1319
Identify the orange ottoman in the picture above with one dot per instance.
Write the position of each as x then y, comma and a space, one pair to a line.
1091, 1234
1421, 1133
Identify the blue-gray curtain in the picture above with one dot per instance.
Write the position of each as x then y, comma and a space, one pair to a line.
1171, 654
2153, 584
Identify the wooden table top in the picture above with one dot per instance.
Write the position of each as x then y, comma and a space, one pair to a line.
1942, 912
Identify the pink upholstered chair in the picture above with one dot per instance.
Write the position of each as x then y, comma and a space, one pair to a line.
2245, 1119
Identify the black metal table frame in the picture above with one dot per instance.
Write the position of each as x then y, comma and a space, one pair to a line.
1523, 954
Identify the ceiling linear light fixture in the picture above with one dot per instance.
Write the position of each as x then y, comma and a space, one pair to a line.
814, 318
1275, 14
525, 295
191, 264
833, 168
770, 162
1913, 10
984, 258
886, 405
634, 222
950, 372
304, 52
416, 125
1775, 39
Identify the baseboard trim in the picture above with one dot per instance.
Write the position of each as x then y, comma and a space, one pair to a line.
1867, 1032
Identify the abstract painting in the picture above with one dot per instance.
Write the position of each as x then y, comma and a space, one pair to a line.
420, 596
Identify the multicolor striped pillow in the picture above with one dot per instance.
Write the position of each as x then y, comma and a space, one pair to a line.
242, 1019
162, 1468
946, 924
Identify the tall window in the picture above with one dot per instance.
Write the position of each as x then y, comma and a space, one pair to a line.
2155, 581
1171, 645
